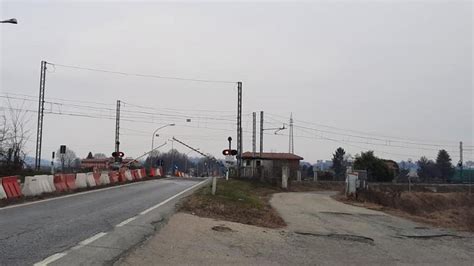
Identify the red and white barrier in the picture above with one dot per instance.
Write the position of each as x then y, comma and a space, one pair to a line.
60, 183
104, 178
37, 185
90, 180
11, 187
128, 175
114, 177
70, 180
3, 194
81, 180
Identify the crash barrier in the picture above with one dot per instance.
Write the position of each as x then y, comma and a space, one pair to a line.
81, 180
104, 178
37, 185
114, 177
128, 175
60, 183
11, 187
97, 178
90, 180
70, 180
3, 194
156, 172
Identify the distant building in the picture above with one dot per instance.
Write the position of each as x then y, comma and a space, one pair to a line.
100, 164
269, 165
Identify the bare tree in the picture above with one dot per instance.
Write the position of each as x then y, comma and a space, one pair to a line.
68, 159
99, 156
14, 135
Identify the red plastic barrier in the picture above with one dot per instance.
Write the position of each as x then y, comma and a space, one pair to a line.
152, 172
143, 172
160, 171
70, 180
60, 183
11, 187
114, 176
121, 176
97, 178
135, 174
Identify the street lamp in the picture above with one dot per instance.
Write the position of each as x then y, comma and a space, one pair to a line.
11, 21
154, 133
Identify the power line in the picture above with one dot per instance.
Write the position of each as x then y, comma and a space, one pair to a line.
385, 138
143, 75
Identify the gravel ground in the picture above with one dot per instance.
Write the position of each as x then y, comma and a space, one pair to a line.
320, 231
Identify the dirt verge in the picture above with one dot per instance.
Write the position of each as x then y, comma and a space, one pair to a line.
451, 210
239, 201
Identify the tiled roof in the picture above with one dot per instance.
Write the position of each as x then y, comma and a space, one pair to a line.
272, 156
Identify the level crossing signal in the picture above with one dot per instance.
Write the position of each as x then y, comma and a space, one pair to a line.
229, 152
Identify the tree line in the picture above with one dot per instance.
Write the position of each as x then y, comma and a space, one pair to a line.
382, 170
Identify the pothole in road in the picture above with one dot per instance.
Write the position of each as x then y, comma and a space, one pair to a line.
346, 237
222, 228
433, 236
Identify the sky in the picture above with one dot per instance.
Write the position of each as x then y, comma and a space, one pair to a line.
390, 76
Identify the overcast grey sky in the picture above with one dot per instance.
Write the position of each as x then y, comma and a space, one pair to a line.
383, 69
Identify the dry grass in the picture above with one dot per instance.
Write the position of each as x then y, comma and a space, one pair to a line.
239, 201
451, 210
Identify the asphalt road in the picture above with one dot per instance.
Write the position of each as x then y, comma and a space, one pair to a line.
30, 233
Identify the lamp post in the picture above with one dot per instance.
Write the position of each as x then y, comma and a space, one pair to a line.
11, 21
154, 133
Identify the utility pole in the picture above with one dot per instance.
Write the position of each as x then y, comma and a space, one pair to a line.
39, 130
261, 134
460, 159
239, 127
291, 148
254, 134
117, 130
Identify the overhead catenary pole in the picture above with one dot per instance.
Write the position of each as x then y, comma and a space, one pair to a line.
39, 129
239, 127
261, 134
117, 130
460, 160
291, 148
254, 134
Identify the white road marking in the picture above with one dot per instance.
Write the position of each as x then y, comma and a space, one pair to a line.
171, 198
50, 259
126, 221
72, 195
91, 239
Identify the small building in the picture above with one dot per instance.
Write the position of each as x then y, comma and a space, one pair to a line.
269, 165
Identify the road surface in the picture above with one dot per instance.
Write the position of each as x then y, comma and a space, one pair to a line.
32, 232
320, 231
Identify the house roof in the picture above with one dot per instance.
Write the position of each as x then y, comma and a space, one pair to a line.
271, 156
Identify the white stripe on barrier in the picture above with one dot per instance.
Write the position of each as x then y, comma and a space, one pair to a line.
128, 175
104, 178
90, 180
81, 180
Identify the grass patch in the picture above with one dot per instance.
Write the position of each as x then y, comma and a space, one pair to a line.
239, 201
